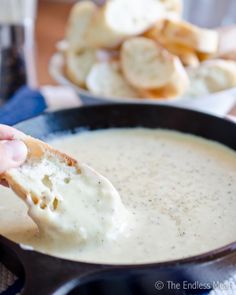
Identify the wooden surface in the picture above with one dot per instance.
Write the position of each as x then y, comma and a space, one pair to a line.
50, 28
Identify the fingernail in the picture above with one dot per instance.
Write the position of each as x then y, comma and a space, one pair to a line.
16, 150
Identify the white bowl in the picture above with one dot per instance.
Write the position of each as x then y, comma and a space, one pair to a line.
217, 103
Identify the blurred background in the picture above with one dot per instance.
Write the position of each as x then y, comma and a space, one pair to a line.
47, 18
30, 30
52, 17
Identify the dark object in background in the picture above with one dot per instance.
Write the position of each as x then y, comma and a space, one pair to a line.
47, 275
13, 73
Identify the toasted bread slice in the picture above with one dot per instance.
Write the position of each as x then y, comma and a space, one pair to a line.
100, 35
166, 92
212, 76
68, 201
147, 65
107, 79
184, 33
155, 32
175, 87
79, 64
131, 17
187, 55
80, 18
37, 150
119, 19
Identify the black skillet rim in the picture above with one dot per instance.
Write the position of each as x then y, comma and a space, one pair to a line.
206, 257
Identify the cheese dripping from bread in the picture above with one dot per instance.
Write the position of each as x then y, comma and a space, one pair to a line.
68, 201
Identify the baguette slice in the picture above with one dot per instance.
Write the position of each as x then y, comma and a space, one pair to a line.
187, 55
131, 17
79, 64
119, 19
212, 76
80, 18
175, 87
147, 65
184, 33
106, 79
68, 201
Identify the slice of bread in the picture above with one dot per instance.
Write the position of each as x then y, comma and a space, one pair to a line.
184, 33
131, 17
20, 180
175, 87
109, 25
104, 55
68, 201
79, 64
119, 19
80, 18
212, 76
107, 79
187, 55
166, 92
146, 65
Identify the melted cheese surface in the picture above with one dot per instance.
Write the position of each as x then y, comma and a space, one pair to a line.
179, 189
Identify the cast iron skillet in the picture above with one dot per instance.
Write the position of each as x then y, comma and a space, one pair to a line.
46, 275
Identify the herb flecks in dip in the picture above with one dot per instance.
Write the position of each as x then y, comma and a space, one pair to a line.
180, 190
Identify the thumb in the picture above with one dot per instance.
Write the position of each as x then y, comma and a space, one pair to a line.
13, 153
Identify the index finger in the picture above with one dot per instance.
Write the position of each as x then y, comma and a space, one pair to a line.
9, 133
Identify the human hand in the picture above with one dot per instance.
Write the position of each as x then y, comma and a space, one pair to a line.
13, 152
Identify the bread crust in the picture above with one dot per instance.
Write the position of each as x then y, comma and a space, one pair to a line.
184, 33
37, 150
212, 76
79, 22
175, 88
145, 64
78, 65
106, 79
164, 74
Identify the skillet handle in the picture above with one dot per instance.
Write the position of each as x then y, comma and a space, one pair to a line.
45, 275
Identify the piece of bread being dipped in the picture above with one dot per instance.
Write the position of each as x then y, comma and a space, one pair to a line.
66, 199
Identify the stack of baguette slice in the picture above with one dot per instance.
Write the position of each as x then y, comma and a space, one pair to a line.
143, 49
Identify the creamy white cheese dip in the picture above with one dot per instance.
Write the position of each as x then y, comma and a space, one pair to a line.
179, 189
